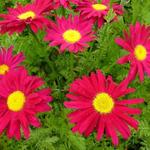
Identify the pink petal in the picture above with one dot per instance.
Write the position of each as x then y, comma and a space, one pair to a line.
123, 59
112, 132
131, 121
130, 101
123, 44
87, 122
141, 71
77, 104
100, 128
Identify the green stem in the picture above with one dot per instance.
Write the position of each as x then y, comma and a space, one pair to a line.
110, 67
40, 46
34, 36
91, 47
63, 11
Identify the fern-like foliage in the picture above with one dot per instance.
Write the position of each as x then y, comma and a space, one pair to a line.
59, 70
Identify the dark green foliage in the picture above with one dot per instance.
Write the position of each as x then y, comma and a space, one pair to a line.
59, 70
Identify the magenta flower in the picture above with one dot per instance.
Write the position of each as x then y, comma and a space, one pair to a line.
96, 12
137, 43
32, 14
72, 34
20, 101
96, 105
9, 62
65, 3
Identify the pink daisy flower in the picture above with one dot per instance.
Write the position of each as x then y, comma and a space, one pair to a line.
65, 3
32, 14
95, 11
96, 104
72, 34
20, 101
9, 62
137, 43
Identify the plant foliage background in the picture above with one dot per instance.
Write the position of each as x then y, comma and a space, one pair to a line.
59, 70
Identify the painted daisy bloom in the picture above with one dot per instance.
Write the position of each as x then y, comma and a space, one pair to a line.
95, 100
137, 43
18, 18
20, 101
72, 34
8, 61
65, 3
95, 11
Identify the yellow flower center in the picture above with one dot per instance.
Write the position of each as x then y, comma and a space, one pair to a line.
140, 52
71, 36
15, 101
3, 69
103, 103
26, 15
99, 7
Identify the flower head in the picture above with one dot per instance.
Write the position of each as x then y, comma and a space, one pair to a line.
65, 3
20, 101
95, 11
18, 18
137, 43
95, 100
9, 62
72, 34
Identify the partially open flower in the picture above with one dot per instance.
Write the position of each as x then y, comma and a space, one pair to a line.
65, 3
96, 12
